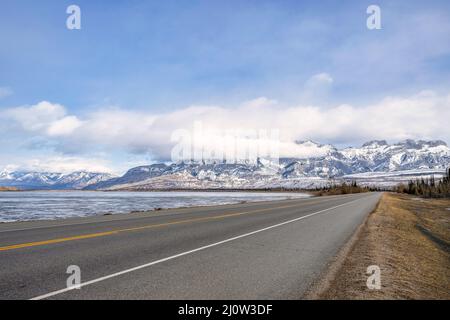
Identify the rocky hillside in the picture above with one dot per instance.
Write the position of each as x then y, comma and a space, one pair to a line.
375, 161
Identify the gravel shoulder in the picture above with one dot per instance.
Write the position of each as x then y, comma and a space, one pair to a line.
408, 238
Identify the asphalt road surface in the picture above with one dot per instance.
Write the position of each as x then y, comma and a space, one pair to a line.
264, 250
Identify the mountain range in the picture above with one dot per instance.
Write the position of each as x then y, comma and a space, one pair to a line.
51, 180
374, 163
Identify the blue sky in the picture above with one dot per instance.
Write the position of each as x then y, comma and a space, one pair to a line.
142, 59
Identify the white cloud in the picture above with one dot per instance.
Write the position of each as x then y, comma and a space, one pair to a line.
421, 116
36, 117
44, 117
61, 164
64, 126
317, 88
320, 79
5, 92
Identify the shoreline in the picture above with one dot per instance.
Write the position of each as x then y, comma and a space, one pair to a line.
153, 210
309, 191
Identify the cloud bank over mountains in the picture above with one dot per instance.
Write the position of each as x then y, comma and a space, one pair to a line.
51, 126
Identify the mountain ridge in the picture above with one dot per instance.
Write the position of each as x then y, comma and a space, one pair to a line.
375, 156
51, 180
367, 164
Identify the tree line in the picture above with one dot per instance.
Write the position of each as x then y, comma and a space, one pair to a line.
343, 188
429, 187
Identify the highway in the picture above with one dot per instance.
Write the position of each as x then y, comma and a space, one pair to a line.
262, 250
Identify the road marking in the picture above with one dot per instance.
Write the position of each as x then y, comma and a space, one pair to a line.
113, 232
54, 293
165, 214
44, 242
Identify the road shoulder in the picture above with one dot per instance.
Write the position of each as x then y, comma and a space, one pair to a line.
408, 239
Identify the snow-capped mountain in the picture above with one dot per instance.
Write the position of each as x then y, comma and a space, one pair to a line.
50, 180
407, 155
375, 162
388, 163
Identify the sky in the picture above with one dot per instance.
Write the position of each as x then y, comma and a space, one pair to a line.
111, 95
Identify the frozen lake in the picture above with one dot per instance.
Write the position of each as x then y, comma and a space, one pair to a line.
44, 205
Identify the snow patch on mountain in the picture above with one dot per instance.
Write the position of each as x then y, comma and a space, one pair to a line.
374, 162
51, 180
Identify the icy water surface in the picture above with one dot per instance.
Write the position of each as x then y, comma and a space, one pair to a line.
44, 205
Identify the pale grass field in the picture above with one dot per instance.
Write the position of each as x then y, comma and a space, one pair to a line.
409, 239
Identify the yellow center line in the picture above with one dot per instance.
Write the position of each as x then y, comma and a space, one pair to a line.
40, 243
112, 232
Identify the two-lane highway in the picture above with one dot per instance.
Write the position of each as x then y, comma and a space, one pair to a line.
264, 250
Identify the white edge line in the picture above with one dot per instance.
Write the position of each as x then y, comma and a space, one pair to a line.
54, 293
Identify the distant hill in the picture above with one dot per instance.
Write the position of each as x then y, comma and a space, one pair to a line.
51, 180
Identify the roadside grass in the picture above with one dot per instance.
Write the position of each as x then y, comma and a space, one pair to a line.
8, 189
408, 238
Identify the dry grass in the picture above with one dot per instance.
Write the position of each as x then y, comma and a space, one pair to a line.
408, 238
8, 189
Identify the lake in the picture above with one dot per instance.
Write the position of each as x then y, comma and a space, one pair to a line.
49, 205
